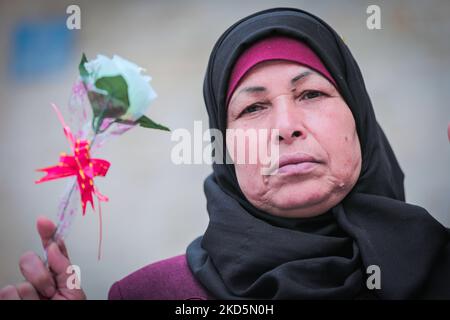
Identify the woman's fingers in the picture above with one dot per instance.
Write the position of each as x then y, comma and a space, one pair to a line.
9, 293
27, 291
46, 228
34, 271
62, 248
59, 264
57, 261
51, 282
43, 281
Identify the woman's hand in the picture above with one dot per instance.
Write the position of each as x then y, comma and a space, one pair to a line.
44, 282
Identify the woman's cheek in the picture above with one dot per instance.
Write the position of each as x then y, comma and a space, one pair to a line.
249, 140
250, 181
336, 133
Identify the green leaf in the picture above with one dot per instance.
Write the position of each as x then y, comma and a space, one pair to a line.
146, 122
116, 87
81, 68
105, 106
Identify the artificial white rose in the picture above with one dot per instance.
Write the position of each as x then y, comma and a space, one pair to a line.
140, 93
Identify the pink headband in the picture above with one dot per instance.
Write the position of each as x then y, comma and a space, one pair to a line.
275, 48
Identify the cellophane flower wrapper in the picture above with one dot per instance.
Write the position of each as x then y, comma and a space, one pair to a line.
96, 115
80, 115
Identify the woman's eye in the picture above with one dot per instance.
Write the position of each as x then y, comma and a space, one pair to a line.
251, 109
311, 94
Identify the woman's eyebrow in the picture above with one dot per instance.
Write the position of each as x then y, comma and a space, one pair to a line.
259, 89
250, 90
256, 89
300, 76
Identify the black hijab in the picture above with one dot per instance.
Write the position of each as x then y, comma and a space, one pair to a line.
246, 253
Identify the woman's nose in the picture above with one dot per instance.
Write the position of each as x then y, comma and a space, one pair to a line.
288, 136
288, 122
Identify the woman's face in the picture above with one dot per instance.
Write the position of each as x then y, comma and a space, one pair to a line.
312, 121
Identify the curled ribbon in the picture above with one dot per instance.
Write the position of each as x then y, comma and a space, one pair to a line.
81, 165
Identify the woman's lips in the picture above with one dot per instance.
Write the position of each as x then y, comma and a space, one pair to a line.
298, 163
298, 168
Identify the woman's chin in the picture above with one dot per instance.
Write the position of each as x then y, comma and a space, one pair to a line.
299, 204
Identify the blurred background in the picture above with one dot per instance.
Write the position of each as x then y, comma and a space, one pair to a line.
157, 208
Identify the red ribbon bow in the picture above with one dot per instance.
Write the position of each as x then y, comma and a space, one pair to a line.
80, 165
